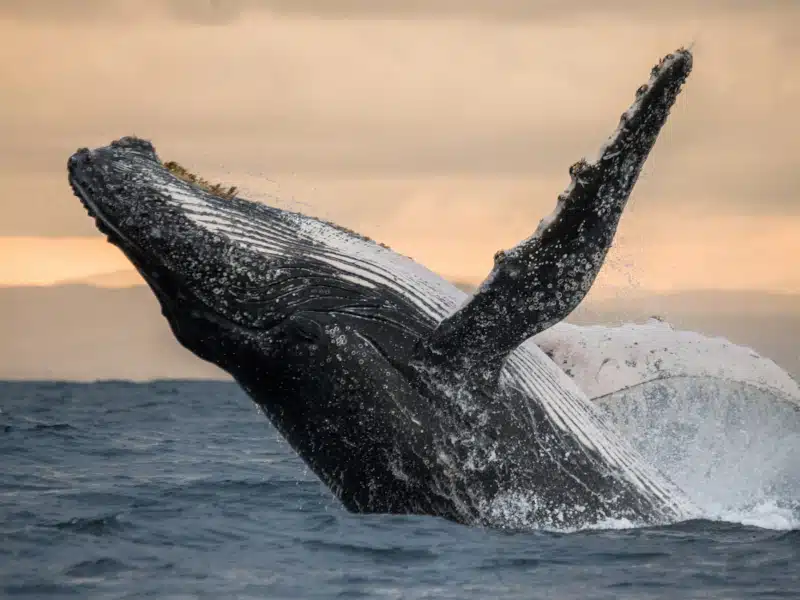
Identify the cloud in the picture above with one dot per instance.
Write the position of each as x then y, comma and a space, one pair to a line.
656, 253
226, 11
44, 261
409, 130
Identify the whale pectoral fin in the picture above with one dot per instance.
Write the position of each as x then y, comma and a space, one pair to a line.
541, 280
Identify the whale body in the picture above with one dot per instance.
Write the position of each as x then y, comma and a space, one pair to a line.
400, 393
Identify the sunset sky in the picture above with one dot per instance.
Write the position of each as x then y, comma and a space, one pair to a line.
444, 128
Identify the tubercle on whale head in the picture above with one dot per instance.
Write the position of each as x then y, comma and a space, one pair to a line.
145, 148
136, 201
216, 263
137, 144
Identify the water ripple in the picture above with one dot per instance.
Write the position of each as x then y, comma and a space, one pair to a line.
181, 490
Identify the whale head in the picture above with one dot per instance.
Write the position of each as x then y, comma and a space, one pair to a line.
143, 209
226, 268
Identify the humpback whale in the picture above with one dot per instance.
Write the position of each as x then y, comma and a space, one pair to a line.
400, 397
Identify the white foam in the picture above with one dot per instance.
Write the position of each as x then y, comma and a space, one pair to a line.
732, 447
768, 514
636, 353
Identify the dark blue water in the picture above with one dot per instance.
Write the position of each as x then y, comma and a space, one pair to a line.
183, 490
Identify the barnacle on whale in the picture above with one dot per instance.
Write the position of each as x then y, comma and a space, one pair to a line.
186, 175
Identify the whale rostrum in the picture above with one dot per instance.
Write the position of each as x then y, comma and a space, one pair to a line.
400, 398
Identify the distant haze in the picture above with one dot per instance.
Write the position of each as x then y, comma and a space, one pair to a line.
85, 332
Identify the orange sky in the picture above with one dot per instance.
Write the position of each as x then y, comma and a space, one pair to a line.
444, 129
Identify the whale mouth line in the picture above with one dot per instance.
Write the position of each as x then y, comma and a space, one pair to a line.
104, 224
134, 253
128, 247
112, 232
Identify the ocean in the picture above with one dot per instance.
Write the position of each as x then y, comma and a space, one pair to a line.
177, 489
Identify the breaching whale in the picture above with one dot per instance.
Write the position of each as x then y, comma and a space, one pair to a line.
397, 397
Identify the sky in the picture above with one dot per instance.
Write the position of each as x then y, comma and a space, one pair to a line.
444, 128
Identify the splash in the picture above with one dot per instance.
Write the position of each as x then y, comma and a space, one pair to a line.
525, 512
732, 447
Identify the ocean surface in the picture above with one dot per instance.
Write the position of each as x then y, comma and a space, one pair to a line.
180, 489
